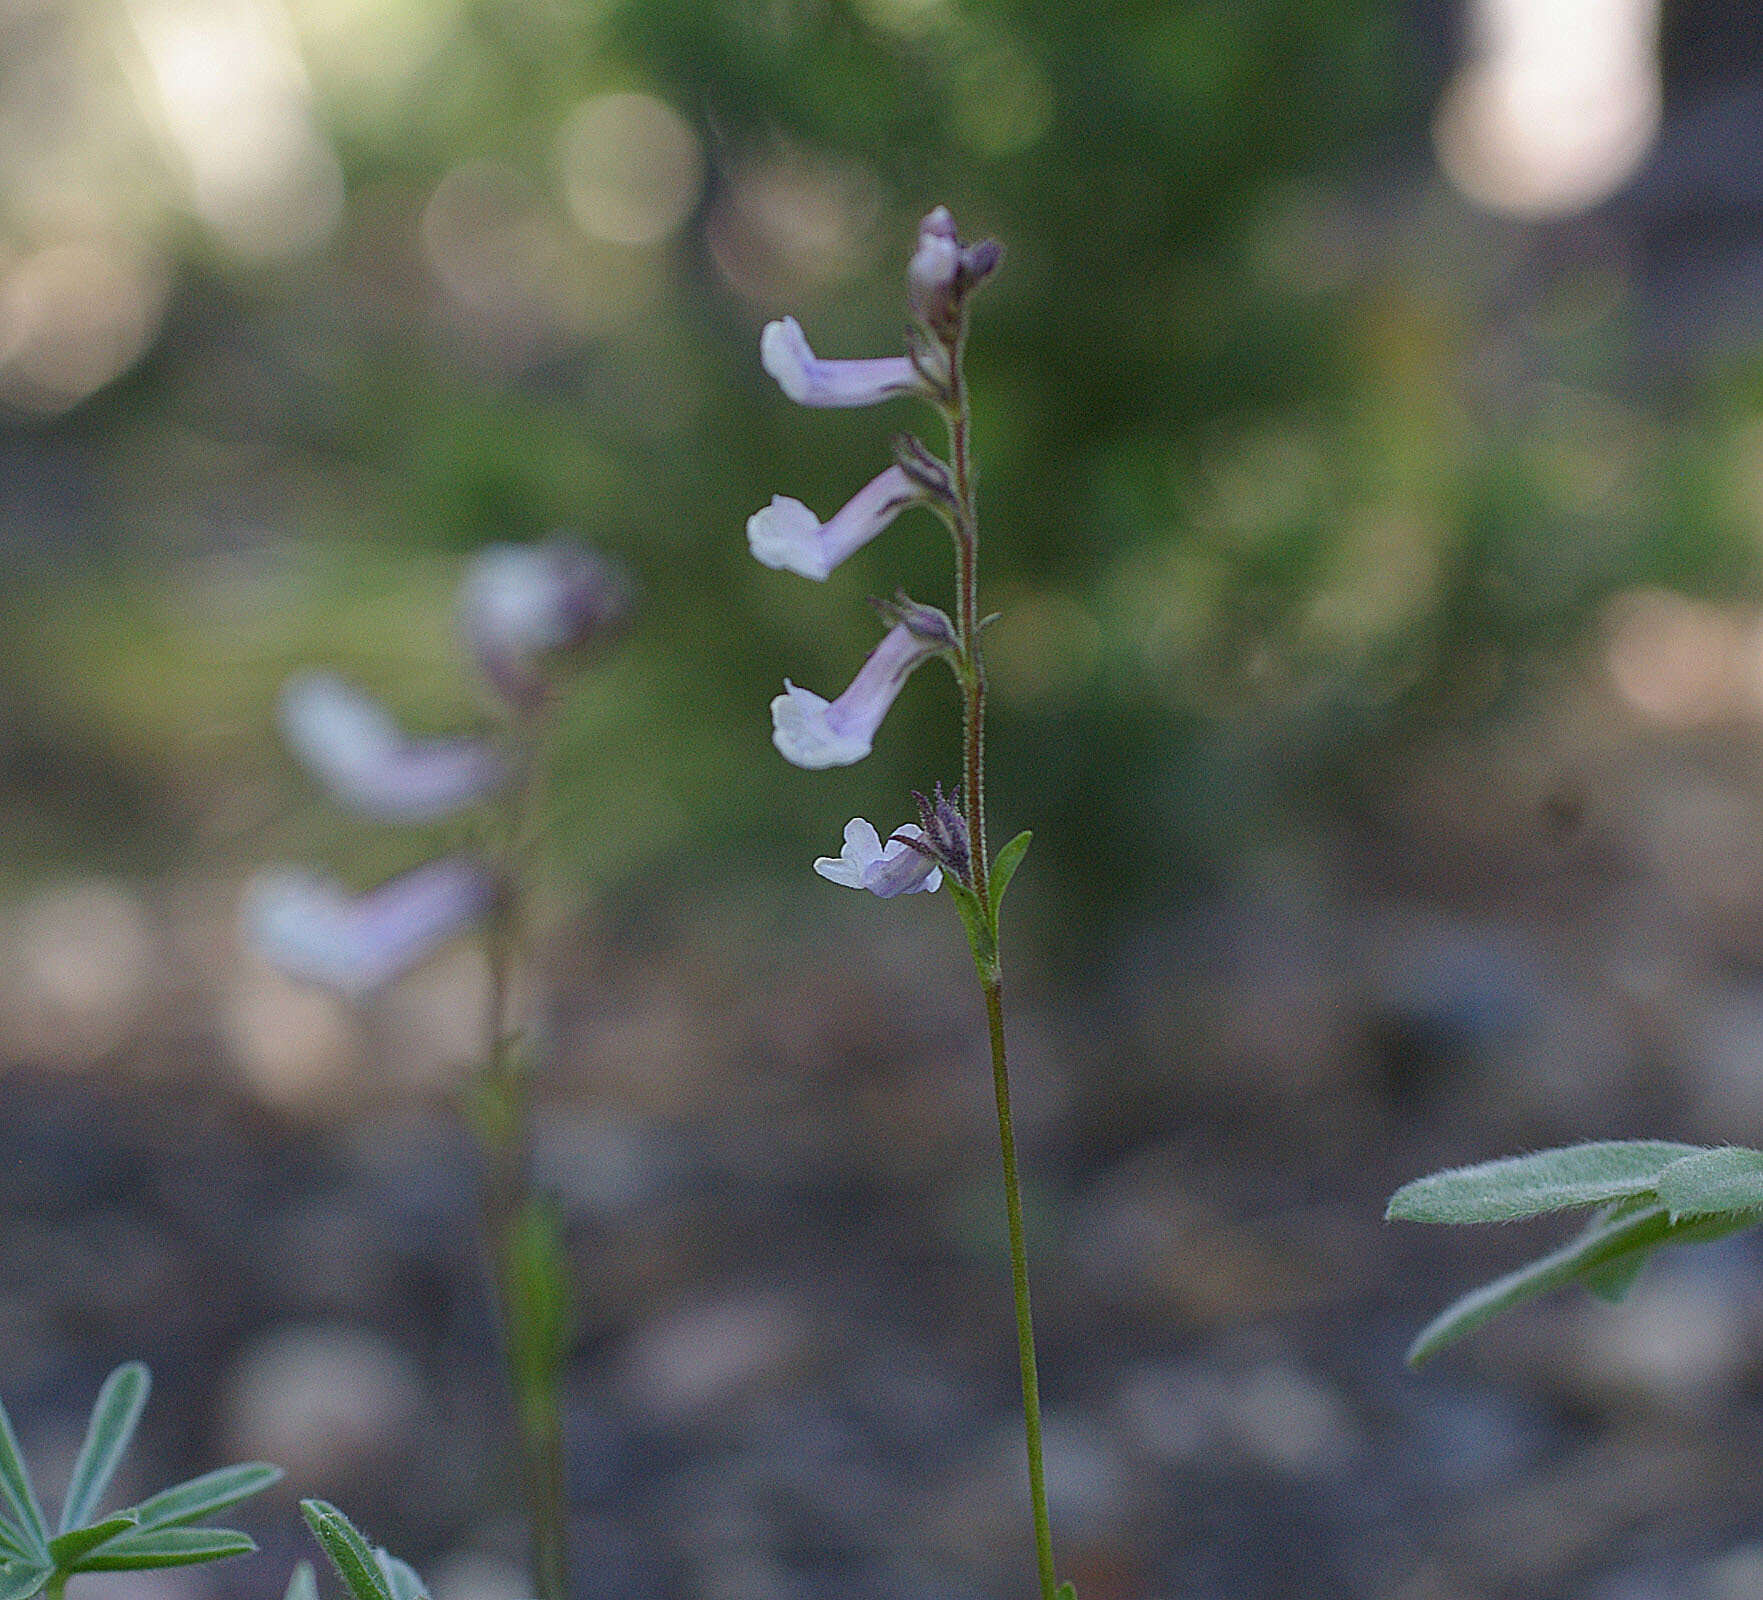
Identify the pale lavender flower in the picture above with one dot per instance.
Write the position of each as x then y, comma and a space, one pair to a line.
935, 265
885, 870
365, 760
311, 928
810, 381
811, 732
520, 605
788, 536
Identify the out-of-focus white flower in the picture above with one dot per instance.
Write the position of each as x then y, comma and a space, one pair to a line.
521, 606
810, 381
365, 760
884, 870
811, 732
788, 536
311, 928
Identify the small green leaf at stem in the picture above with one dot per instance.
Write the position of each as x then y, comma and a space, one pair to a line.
165, 1547
1526, 1186
114, 1415
1004, 869
350, 1553
1727, 1179
203, 1496
1066, 1591
65, 1549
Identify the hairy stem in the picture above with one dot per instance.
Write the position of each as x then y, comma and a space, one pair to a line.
973, 684
1025, 1327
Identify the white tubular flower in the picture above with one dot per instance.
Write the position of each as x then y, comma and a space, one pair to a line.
311, 928
521, 605
884, 870
365, 760
810, 381
788, 536
811, 732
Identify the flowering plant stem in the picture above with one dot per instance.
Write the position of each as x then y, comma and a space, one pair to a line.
982, 927
521, 1232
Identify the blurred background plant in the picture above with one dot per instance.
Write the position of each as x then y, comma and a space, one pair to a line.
1374, 472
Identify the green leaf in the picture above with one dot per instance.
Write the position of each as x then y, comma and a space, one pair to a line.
1612, 1283
13, 1544
1727, 1179
66, 1548
302, 1583
20, 1497
402, 1577
165, 1547
19, 1580
1004, 868
349, 1552
203, 1496
1066, 1591
1526, 1186
1604, 1242
114, 1415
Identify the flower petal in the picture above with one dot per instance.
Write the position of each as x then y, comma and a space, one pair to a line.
362, 757
810, 381
787, 535
884, 870
313, 929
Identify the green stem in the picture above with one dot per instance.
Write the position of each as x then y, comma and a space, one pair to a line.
505, 1129
972, 677
1025, 1327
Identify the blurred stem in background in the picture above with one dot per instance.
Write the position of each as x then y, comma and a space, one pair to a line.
522, 1231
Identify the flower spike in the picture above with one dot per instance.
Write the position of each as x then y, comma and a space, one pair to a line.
810, 381
814, 733
788, 536
365, 760
884, 870
312, 929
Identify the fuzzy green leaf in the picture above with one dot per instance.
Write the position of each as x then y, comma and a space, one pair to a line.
14, 1546
402, 1577
1727, 1179
1603, 1243
349, 1552
302, 1583
165, 1547
20, 1497
1526, 1186
203, 1496
1004, 868
114, 1415
66, 1548
19, 1580
1066, 1591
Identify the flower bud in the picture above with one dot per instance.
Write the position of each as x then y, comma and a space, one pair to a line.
928, 624
945, 834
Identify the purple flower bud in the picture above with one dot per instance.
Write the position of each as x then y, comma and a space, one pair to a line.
931, 624
811, 732
523, 606
787, 535
884, 870
935, 266
365, 760
810, 381
311, 928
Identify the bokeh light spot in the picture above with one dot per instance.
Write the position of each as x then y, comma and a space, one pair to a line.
631, 168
